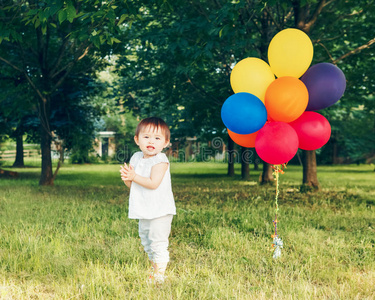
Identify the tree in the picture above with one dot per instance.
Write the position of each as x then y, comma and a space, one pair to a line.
76, 116
180, 69
187, 63
341, 37
354, 55
16, 111
305, 16
47, 42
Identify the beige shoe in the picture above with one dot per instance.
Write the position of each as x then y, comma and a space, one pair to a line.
159, 278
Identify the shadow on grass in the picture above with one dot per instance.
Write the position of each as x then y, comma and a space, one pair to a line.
203, 176
105, 179
23, 176
334, 169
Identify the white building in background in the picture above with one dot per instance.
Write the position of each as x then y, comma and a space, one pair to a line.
105, 143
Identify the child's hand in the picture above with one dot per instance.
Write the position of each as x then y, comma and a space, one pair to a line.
127, 172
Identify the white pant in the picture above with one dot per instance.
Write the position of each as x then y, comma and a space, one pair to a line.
154, 236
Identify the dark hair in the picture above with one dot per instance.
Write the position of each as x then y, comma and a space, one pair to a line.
156, 123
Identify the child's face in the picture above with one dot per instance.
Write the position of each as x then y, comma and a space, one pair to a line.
151, 141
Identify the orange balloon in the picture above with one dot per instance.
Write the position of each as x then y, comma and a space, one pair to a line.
244, 140
286, 99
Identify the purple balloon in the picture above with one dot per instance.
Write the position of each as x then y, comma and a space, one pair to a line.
326, 84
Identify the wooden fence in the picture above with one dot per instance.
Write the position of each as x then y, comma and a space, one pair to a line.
11, 154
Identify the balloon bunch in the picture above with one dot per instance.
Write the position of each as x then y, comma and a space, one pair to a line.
277, 115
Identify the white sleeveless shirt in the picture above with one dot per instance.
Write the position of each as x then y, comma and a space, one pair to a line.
145, 203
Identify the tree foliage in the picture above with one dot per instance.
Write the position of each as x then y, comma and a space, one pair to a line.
175, 60
348, 42
183, 53
50, 43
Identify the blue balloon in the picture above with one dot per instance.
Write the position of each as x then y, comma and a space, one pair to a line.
243, 113
326, 84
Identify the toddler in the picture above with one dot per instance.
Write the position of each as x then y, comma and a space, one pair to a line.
151, 199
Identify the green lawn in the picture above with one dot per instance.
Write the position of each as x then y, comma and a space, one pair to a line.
74, 240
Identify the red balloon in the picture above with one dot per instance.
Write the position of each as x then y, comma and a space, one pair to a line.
313, 130
276, 143
244, 140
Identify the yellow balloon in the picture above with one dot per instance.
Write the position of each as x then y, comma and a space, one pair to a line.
290, 53
251, 75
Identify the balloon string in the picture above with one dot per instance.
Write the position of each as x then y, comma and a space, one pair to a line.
276, 198
277, 242
277, 188
277, 171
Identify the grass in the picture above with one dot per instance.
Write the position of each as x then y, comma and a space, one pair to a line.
74, 240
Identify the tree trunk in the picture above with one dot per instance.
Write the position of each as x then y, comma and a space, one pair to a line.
46, 176
19, 162
334, 152
231, 157
256, 161
245, 158
310, 178
304, 19
267, 176
187, 151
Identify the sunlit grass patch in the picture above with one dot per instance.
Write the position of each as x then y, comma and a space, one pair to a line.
75, 241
